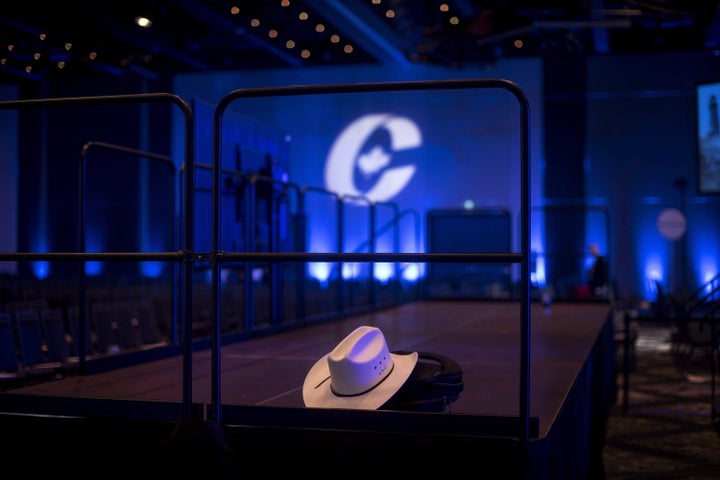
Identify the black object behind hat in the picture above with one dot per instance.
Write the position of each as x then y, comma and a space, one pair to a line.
435, 382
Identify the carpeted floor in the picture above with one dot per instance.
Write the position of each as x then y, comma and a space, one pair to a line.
668, 429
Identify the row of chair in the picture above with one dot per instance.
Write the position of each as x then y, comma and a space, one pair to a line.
32, 345
694, 316
46, 341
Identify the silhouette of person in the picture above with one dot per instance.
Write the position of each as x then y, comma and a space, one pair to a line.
597, 275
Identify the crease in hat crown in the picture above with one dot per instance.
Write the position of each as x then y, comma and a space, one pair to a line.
360, 362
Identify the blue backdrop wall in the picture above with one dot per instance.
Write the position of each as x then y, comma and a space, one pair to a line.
617, 134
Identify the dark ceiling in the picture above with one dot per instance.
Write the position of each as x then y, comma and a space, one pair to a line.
207, 35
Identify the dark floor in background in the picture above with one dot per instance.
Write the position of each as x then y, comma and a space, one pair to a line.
667, 431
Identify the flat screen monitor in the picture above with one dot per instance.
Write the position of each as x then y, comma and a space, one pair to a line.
469, 231
708, 133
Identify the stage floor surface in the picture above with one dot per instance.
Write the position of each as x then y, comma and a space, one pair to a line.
484, 338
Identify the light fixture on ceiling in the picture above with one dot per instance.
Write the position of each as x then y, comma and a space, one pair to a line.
143, 22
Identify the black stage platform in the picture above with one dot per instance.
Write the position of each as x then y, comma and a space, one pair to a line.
129, 418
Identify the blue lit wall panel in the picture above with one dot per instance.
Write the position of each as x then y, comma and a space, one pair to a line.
420, 150
8, 178
646, 121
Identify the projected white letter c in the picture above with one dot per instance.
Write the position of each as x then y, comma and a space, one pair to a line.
344, 152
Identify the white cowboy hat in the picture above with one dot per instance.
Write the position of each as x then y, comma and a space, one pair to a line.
360, 372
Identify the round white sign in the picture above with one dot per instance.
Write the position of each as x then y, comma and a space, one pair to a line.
671, 223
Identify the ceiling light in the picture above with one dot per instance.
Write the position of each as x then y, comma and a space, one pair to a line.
143, 22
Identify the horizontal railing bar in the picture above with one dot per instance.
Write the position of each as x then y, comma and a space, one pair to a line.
375, 257
269, 257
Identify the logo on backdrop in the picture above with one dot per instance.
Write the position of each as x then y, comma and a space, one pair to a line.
359, 162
